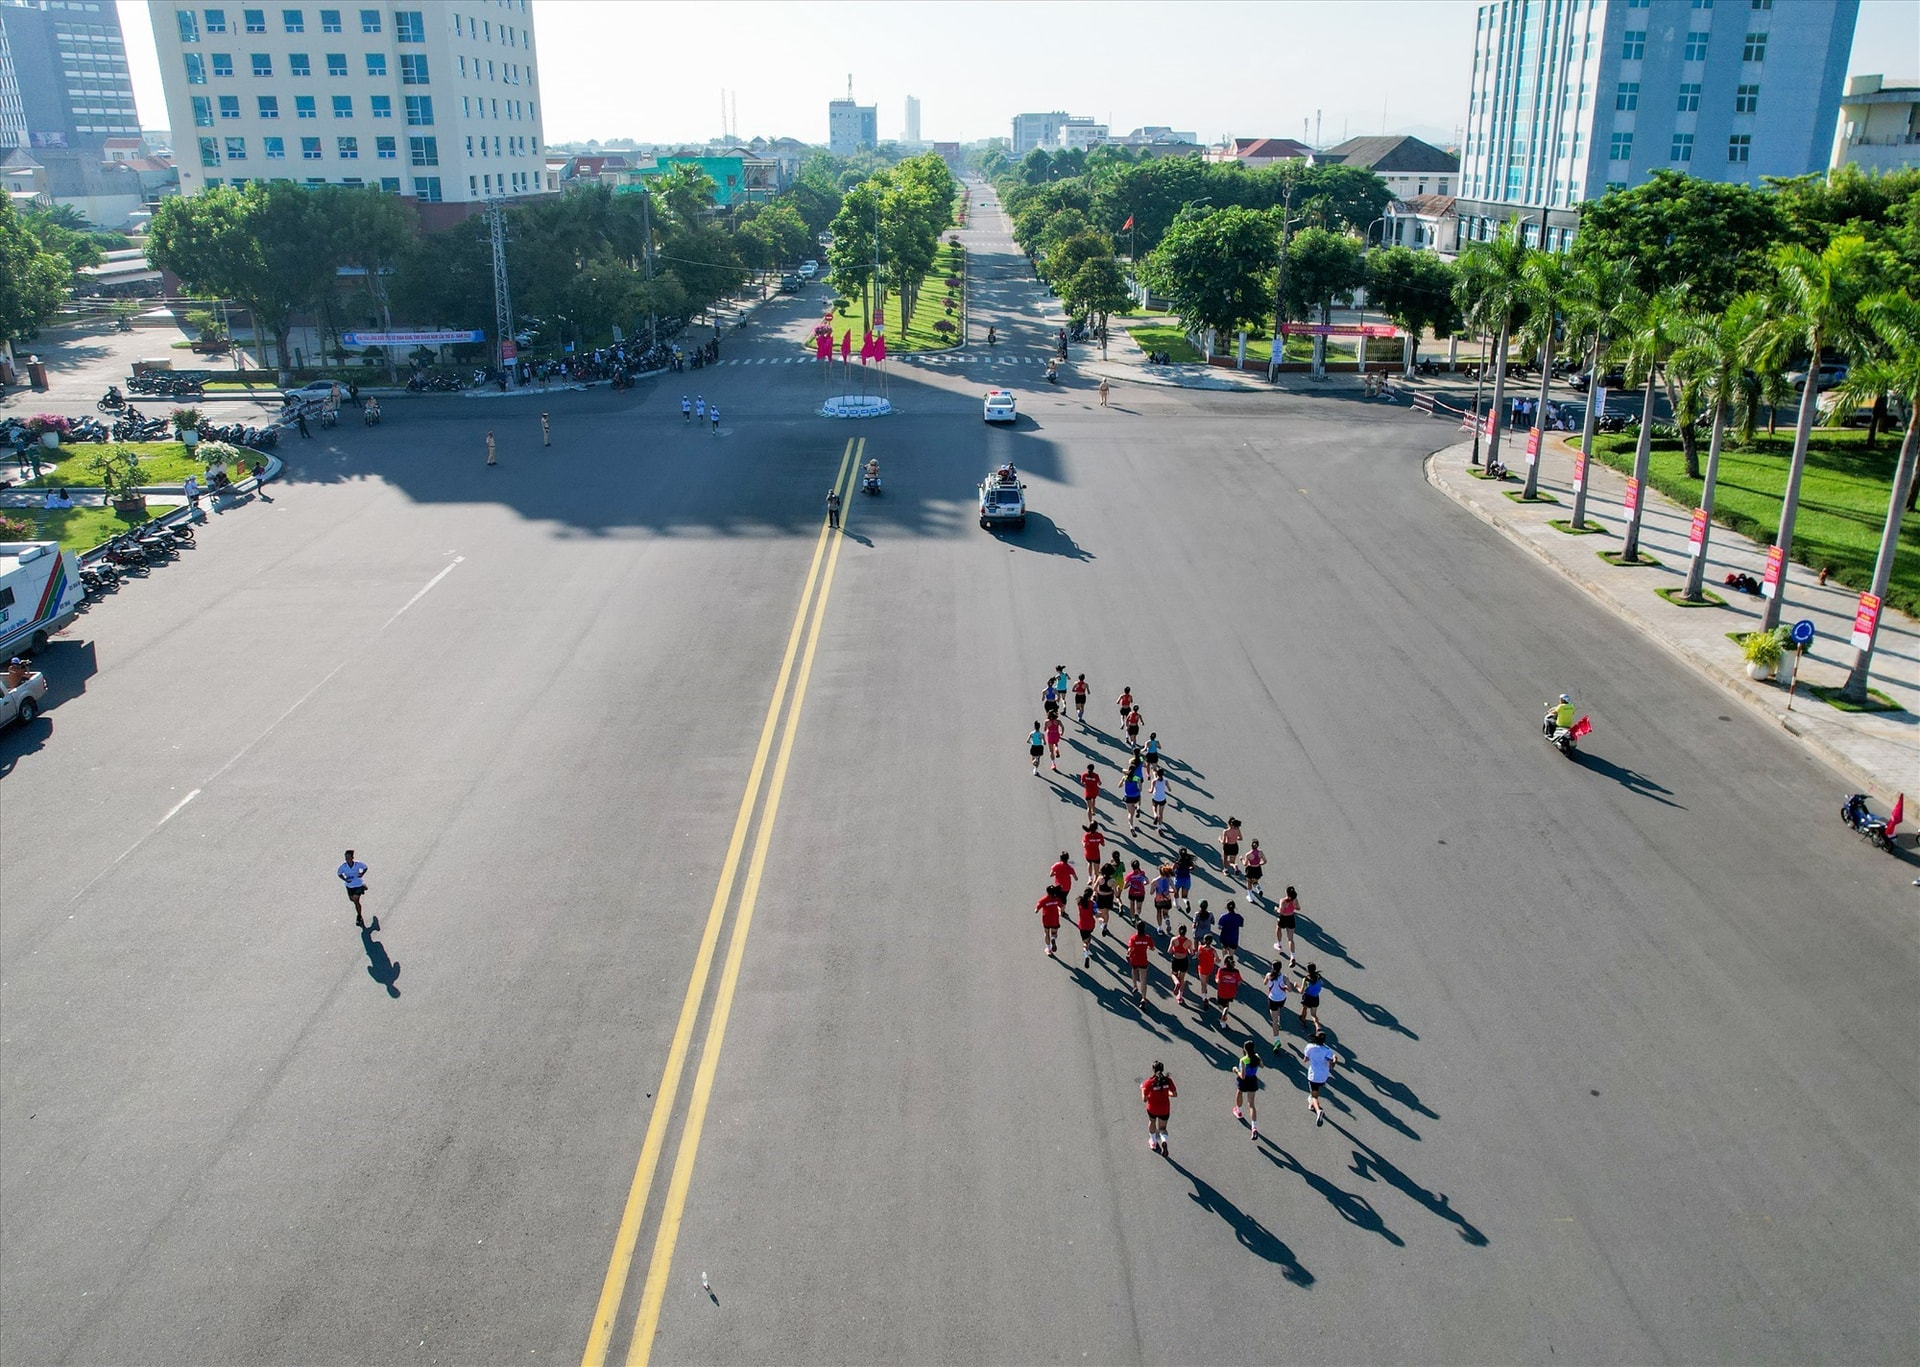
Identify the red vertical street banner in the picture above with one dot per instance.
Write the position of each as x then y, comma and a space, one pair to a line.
1776, 568
1533, 444
1492, 424
1579, 471
1865, 618
1633, 493
1697, 533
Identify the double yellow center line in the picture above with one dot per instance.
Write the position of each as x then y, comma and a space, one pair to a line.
783, 722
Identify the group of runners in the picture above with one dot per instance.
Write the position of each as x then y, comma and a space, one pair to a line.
1203, 951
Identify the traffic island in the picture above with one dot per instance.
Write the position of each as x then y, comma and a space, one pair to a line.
855, 406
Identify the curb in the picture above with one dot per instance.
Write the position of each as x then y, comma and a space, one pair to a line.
1753, 700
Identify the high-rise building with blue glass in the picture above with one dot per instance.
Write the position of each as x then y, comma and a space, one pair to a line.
1571, 98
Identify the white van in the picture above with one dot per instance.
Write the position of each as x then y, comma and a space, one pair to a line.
40, 591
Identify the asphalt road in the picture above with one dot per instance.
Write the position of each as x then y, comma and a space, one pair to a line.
1630, 1042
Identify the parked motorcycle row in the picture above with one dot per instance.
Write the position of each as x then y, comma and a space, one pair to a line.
133, 553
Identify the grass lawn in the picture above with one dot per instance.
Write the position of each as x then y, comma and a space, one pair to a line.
1171, 338
1843, 500
918, 333
167, 462
80, 529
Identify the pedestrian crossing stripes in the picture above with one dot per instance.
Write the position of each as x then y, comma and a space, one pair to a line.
936, 358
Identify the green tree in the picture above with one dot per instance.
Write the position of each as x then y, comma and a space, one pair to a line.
686, 191
1814, 304
1600, 298
1649, 333
1712, 356
1492, 293
64, 231
1543, 278
1322, 267
1893, 320
1679, 230
1099, 286
1214, 267
775, 236
1415, 290
33, 281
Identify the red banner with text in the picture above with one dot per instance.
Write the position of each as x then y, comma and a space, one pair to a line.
1866, 617
1533, 444
1697, 532
1776, 570
1633, 493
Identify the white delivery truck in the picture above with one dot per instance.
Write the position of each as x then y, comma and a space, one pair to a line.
40, 591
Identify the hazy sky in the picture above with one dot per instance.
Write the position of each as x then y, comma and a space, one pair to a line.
654, 70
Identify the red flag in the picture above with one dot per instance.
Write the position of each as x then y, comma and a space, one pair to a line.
866, 347
879, 346
846, 345
822, 345
1128, 225
1899, 810
1580, 728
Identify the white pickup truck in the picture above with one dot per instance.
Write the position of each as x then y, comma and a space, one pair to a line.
21, 701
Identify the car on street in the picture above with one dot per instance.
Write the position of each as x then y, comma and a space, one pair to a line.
1831, 374
1003, 499
1000, 406
315, 391
790, 284
21, 701
808, 269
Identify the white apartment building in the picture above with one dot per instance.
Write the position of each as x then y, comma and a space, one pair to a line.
440, 101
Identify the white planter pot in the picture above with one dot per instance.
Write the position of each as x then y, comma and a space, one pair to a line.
50, 440
190, 438
1756, 670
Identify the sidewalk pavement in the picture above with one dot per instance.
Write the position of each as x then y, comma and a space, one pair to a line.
1878, 750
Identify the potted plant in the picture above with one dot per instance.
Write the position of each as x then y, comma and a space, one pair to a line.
49, 427
122, 476
1762, 650
186, 426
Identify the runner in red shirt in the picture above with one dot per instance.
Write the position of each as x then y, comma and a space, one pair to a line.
1203, 961
1080, 699
1052, 732
1049, 907
1092, 842
1062, 874
1139, 949
1158, 1092
1083, 916
1179, 954
1125, 702
1226, 986
1090, 788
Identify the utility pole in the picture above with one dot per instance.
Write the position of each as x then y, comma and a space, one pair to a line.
646, 256
502, 296
1280, 285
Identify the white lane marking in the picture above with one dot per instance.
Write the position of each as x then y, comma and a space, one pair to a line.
175, 809
422, 594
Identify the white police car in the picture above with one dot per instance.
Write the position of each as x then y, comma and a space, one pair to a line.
1000, 406
1003, 498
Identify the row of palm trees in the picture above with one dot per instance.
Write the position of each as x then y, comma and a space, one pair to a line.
1728, 364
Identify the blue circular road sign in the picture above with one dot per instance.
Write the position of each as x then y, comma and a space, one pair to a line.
1803, 632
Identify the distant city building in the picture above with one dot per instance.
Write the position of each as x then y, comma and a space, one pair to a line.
1425, 221
1572, 97
851, 127
950, 153
1037, 130
434, 102
1409, 166
1157, 135
1254, 153
64, 82
738, 176
1879, 125
913, 119
1080, 134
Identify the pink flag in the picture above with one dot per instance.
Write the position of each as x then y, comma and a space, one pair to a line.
822, 345
1899, 810
846, 345
866, 347
879, 346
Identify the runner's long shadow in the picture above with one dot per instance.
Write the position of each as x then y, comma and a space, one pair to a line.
1367, 1164
1117, 997
380, 968
1387, 1087
1337, 1093
1352, 1207
1310, 930
1371, 1013
1255, 1237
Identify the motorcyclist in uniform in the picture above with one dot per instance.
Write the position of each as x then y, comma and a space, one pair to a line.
1562, 717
